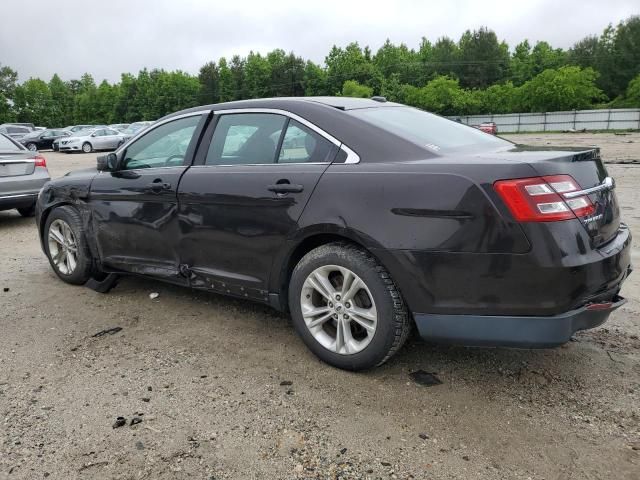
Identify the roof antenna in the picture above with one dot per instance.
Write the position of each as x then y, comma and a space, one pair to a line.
379, 99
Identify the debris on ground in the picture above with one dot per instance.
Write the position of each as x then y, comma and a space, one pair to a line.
286, 383
5, 289
120, 422
108, 331
428, 379
154, 295
135, 421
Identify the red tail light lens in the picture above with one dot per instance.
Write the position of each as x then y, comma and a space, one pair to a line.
40, 161
539, 199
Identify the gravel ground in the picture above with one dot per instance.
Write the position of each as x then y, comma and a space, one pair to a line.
224, 388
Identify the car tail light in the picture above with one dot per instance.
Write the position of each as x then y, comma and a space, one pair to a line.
540, 199
40, 161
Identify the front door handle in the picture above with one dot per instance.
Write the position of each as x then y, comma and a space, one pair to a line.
285, 188
158, 185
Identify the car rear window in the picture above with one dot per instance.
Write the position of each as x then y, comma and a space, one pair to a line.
429, 130
7, 145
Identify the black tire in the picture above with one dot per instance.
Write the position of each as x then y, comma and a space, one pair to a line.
27, 211
393, 324
85, 149
32, 147
84, 267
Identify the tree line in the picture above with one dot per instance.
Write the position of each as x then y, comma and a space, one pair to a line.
476, 74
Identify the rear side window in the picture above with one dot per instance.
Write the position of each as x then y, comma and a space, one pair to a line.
246, 139
302, 145
7, 145
428, 130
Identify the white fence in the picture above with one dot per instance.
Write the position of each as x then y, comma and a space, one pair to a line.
618, 119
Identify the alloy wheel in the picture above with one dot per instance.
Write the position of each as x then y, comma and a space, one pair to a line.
63, 247
86, 148
338, 309
32, 147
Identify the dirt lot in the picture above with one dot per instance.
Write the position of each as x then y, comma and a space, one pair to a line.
225, 389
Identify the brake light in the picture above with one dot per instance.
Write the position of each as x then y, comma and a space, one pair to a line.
539, 199
40, 161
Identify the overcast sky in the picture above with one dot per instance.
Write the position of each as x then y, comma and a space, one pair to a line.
108, 37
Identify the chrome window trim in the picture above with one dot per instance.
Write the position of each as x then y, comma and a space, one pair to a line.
26, 160
352, 157
259, 164
607, 184
157, 124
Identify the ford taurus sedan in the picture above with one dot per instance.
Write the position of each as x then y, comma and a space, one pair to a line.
22, 175
361, 218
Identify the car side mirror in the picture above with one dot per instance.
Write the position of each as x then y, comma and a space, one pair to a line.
93, 134
107, 163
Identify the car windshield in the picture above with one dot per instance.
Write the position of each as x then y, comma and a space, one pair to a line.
7, 145
426, 129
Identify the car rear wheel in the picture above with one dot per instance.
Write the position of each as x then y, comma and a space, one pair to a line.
32, 147
87, 147
27, 211
66, 245
346, 307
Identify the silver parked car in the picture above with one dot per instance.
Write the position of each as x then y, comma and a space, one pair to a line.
22, 175
15, 131
89, 140
134, 128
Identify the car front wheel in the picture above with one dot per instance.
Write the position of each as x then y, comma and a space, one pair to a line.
346, 307
87, 148
66, 245
32, 147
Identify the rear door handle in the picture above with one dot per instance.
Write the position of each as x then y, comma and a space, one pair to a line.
285, 188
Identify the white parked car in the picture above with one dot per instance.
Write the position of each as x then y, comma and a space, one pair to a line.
88, 141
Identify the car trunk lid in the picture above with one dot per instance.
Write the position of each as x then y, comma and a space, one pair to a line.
16, 164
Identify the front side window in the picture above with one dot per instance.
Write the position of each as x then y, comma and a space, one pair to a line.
246, 139
164, 146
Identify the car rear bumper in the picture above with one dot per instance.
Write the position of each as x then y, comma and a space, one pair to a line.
514, 331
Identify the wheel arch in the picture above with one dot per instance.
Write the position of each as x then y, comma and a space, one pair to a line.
303, 244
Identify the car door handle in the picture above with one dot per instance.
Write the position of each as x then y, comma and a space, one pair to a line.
158, 185
285, 188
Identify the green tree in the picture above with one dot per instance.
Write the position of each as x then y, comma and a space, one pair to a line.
314, 80
350, 63
61, 102
566, 88
33, 102
483, 60
397, 60
209, 78
351, 88
633, 92
8, 80
445, 58
226, 89
257, 77
236, 68
441, 95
